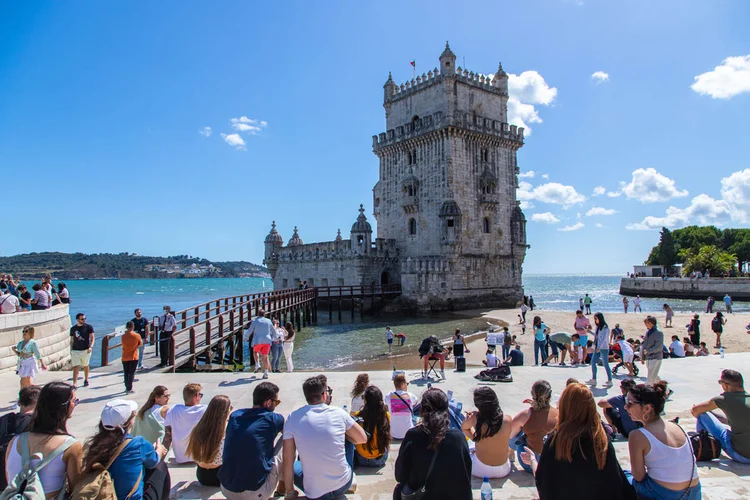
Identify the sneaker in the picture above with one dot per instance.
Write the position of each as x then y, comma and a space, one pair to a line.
590, 382
545, 364
562, 364
424, 375
353, 487
85, 383
669, 394
265, 374
257, 369
607, 384
131, 391
442, 374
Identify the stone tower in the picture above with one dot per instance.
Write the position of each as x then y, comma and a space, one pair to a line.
447, 188
273, 243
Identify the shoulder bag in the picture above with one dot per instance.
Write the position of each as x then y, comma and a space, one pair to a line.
421, 492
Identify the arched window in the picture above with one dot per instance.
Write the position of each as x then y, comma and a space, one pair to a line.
412, 226
486, 225
360, 239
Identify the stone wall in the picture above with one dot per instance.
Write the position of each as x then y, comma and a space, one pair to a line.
51, 331
684, 288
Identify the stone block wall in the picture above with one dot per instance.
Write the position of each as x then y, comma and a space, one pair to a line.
51, 331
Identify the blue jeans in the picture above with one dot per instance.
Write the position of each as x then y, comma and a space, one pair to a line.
140, 355
277, 352
602, 355
520, 445
722, 432
299, 476
506, 351
361, 461
539, 350
648, 489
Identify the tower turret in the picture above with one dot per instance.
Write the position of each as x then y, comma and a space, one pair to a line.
389, 88
447, 61
273, 242
500, 80
361, 235
295, 240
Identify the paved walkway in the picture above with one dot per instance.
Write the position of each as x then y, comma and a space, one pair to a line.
693, 380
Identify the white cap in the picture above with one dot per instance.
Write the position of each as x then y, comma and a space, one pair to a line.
117, 412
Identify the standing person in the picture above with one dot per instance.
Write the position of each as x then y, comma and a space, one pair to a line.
9, 304
434, 439
389, 338
615, 333
149, 421
206, 441
717, 325
728, 303
637, 304
734, 401
581, 325
131, 341
181, 419
652, 352
358, 391
580, 303
140, 326
695, 330
661, 456
24, 298
325, 437
489, 429
62, 296
400, 405
615, 412
288, 346
710, 305
601, 350
578, 448
263, 334
534, 423
277, 348
49, 437
587, 303
458, 344
252, 466
625, 304
81, 344
27, 351
524, 309
532, 304
540, 339
13, 424
376, 421
669, 315
507, 342
168, 328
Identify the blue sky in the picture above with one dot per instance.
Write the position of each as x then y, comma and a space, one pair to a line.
102, 105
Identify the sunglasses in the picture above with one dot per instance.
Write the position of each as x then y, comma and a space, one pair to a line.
277, 402
628, 404
330, 391
200, 394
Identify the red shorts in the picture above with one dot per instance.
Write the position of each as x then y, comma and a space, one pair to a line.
262, 348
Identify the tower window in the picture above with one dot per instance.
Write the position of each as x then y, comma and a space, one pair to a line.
486, 225
360, 239
412, 226
451, 222
485, 155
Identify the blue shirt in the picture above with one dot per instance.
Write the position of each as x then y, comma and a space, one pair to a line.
132, 462
618, 404
539, 333
516, 357
248, 448
262, 330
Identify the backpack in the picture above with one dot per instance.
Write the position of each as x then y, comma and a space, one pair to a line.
716, 324
27, 485
705, 446
10, 426
98, 484
498, 374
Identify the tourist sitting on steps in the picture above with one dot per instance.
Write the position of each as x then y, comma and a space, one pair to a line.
734, 401
616, 414
489, 429
433, 455
401, 405
181, 419
206, 442
491, 360
358, 391
376, 421
149, 421
676, 349
531, 425
515, 357
431, 349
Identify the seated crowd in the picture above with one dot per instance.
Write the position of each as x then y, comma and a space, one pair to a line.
257, 453
16, 297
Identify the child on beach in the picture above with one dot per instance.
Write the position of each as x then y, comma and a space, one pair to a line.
626, 349
703, 351
389, 338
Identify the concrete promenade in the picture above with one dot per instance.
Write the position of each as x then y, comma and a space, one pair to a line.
693, 380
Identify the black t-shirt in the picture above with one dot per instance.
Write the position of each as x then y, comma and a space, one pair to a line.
80, 334
26, 296
140, 327
516, 357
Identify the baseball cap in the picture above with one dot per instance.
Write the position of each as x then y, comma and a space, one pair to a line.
117, 412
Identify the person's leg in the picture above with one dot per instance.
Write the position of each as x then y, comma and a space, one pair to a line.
424, 364
604, 356
266, 362
288, 349
76, 369
157, 483
441, 357
708, 422
25, 382
140, 355
86, 374
125, 375
594, 361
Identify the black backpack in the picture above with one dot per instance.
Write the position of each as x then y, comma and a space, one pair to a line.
705, 446
716, 324
498, 374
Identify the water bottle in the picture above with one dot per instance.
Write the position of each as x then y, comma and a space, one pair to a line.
486, 490
346, 409
721, 352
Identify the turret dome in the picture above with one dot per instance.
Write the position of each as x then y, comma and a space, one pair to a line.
450, 209
361, 226
274, 236
295, 239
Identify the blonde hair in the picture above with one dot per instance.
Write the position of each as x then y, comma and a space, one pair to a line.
190, 391
30, 331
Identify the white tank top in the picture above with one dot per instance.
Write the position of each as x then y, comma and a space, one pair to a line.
52, 475
668, 464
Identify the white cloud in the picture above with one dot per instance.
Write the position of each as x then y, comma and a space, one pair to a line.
522, 114
600, 77
527, 175
551, 192
545, 176
599, 225
234, 140
649, 186
525, 91
206, 132
249, 125
599, 190
600, 211
546, 217
525, 205
702, 210
735, 190
574, 227
614, 194
727, 80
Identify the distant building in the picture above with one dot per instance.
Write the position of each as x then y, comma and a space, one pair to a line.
449, 227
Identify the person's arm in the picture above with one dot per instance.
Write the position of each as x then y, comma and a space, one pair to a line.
35, 352
163, 411
518, 422
290, 450
91, 340
701, 408
604, 403
73, 464
402, 470
356, 434
167, 443
151, 453
637, 443
468, 424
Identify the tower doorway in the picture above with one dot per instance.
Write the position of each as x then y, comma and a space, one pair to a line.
385, 278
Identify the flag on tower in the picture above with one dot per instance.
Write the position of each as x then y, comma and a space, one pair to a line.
413, 63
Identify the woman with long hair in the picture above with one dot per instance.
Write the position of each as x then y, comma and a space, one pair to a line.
449, 473
360, 384
149, 421
206, 441
601, 350
28, 353
135, 464
661, 456
532, 424
578, 461
48, 435
669, 314
458, 344
277, 346
288, 346
376, 421
540, 340
489, 429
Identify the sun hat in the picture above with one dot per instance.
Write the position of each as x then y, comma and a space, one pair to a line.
117, 412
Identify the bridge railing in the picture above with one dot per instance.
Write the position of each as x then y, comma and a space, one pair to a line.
357, 290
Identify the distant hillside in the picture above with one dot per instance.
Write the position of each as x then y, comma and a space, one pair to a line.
122, 265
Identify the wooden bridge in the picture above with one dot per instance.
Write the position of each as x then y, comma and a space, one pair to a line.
211, 333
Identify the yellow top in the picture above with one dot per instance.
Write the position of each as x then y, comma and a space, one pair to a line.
363, 450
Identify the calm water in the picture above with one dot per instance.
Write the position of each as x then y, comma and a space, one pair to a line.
110, 303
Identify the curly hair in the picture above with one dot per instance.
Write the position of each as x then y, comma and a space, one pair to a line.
363, 380
435, 420
490, 416
375, 420
541, 395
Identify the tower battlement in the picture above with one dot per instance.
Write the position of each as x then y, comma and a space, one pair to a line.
433, 77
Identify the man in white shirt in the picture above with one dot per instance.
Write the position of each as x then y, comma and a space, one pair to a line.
168, 326
180, 421
676, 349
637, 304
325, 437
9, 303
401, 407
263, 334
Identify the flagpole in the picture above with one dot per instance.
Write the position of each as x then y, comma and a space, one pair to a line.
414, 67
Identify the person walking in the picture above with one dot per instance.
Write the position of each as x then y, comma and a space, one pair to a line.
27, 351
601, 350
131, 342
625, 303
717, 325
710, 305
540, 339
728, 303
637, 304
81, 344
140, 326
263, 333
288, 346
587, 303
532, 304
277, 347
652, 353
168, 328
524, 310
695, 330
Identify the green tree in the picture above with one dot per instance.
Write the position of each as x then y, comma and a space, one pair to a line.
667, 250
741, 248
709, 258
